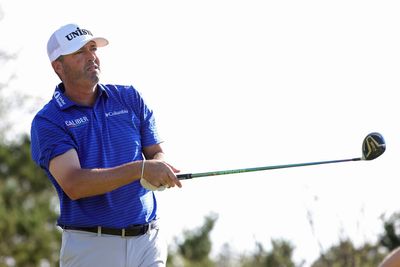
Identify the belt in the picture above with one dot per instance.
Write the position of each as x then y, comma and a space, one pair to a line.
134, 230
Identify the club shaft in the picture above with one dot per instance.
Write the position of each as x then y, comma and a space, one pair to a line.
255, 169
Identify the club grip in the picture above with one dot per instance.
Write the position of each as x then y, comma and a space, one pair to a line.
184, 176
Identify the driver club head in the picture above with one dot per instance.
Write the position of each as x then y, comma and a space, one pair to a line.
373, 146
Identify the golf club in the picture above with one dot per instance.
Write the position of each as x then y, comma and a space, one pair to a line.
372, 147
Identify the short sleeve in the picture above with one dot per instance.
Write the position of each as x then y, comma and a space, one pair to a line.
48, 140
148, 127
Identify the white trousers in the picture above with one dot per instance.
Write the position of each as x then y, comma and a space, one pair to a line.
85, 249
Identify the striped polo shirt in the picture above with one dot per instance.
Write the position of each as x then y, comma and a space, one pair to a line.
110, 133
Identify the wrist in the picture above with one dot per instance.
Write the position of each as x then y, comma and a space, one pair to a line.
142, 169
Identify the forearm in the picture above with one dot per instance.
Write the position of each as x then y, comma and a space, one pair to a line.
90, 182
98, 181
154, 152
78, 182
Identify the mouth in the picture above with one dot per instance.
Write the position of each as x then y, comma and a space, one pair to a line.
92, 67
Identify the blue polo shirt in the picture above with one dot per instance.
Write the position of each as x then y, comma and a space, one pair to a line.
112, 132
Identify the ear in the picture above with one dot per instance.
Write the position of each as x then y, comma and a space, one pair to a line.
57, 66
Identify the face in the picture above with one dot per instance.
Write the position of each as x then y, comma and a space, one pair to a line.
82, 66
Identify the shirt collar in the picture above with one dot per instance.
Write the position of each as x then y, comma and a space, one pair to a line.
63, 102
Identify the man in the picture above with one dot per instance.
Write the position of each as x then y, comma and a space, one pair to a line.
92, 140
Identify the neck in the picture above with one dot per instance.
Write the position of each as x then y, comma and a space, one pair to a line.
80, 94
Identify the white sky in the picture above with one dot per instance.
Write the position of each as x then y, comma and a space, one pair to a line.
244, 84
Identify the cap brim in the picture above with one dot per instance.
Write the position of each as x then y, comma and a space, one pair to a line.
100, 42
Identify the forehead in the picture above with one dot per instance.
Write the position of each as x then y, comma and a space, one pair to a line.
89, 45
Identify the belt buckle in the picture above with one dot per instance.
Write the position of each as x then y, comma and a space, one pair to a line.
150, 226
123, 232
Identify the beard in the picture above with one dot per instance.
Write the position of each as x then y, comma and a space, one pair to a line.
90, 73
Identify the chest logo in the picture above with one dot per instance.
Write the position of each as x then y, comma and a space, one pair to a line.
114, 113
77, 122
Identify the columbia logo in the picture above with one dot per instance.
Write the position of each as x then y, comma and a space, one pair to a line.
114, 113
60, 100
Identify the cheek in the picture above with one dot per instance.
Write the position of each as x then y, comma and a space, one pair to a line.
58, 68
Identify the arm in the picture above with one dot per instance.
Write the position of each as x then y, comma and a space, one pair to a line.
392, 260
78, 183
154, 152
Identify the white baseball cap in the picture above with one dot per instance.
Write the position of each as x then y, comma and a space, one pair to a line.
70, 38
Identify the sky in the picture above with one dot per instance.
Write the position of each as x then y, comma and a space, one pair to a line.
237, 84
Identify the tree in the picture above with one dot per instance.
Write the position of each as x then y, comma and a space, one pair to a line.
279, 256
345, 254
196, 246
27, 215
390, 239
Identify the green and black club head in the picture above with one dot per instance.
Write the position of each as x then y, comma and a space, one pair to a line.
373, 146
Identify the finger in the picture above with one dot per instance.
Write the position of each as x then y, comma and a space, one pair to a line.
171, 180
164, 174
175, 170
174, 180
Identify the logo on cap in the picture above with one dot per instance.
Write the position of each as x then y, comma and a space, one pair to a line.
77, 33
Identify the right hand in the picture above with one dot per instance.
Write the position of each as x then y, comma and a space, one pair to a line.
159, 173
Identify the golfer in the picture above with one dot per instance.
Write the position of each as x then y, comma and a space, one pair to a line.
96, 142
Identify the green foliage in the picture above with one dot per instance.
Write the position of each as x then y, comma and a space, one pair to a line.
279, 256
27, 217
390, 239
346, 255
196, 246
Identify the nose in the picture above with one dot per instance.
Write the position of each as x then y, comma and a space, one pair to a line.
91, 55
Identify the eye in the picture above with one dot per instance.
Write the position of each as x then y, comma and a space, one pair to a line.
78, 52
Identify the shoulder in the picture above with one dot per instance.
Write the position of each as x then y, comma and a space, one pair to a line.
51, 116
123, 93
119, 89
48, 111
